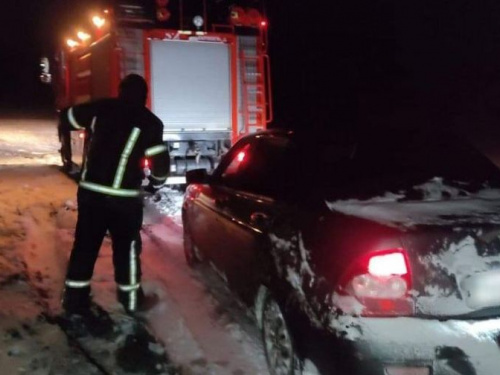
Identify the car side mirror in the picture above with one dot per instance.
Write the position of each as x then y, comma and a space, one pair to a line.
45, 76
197, 176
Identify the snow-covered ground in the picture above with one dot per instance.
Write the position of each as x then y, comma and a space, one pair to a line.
28, 142
203, 330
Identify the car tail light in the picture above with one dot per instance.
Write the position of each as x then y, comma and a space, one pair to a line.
145, 163
387, 265
381, 281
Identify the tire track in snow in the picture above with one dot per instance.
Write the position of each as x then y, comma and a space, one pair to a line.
208, 319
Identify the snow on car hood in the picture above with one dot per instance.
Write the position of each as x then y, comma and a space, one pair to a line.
440, 205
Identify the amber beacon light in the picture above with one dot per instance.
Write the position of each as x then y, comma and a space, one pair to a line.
162, 13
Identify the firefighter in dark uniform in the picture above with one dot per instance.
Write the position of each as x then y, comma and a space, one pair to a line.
122, 133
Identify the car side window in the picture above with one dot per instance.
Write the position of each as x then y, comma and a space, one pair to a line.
260, 167
236, 165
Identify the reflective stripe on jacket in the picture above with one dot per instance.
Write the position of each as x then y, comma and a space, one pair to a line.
120, 136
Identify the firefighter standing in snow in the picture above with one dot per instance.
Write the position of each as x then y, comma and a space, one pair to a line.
122, 132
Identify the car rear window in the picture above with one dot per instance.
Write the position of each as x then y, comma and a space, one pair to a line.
373, 164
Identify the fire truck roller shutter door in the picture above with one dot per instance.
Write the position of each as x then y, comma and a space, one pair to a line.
194, 93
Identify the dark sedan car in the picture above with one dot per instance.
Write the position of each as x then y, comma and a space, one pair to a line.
369, 253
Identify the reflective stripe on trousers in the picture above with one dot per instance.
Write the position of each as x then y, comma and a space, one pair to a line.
133, 277
77, 284
133, 287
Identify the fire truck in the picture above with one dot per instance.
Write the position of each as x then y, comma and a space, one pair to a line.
206, 64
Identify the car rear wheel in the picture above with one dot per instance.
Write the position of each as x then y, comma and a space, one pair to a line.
278, 345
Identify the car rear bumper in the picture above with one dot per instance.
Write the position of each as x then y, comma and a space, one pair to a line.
412, 346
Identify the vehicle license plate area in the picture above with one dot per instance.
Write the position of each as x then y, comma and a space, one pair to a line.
403, 370
482, 290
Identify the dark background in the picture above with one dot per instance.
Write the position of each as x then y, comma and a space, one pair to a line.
29, 30
431, 63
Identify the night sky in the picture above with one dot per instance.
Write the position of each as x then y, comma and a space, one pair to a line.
425, 62
19, 50
28, 30
432, 63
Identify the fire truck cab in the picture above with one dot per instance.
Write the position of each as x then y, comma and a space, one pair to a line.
207, 68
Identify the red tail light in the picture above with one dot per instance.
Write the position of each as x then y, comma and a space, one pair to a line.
387, 264
381, 281
146, 163
81, 135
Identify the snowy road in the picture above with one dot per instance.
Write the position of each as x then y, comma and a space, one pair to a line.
202, 328
28, 142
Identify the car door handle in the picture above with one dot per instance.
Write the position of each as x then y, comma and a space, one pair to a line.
259, 218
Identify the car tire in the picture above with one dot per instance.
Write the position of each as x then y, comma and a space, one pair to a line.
190, 253
281, 356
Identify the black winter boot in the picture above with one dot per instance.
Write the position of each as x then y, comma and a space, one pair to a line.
76, 300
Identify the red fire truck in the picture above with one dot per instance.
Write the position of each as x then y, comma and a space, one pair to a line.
206, 65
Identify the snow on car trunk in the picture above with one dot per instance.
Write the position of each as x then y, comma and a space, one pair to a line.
456, 271
453, 243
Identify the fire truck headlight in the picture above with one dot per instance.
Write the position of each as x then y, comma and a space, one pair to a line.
72, 43
83, 36
98, 21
